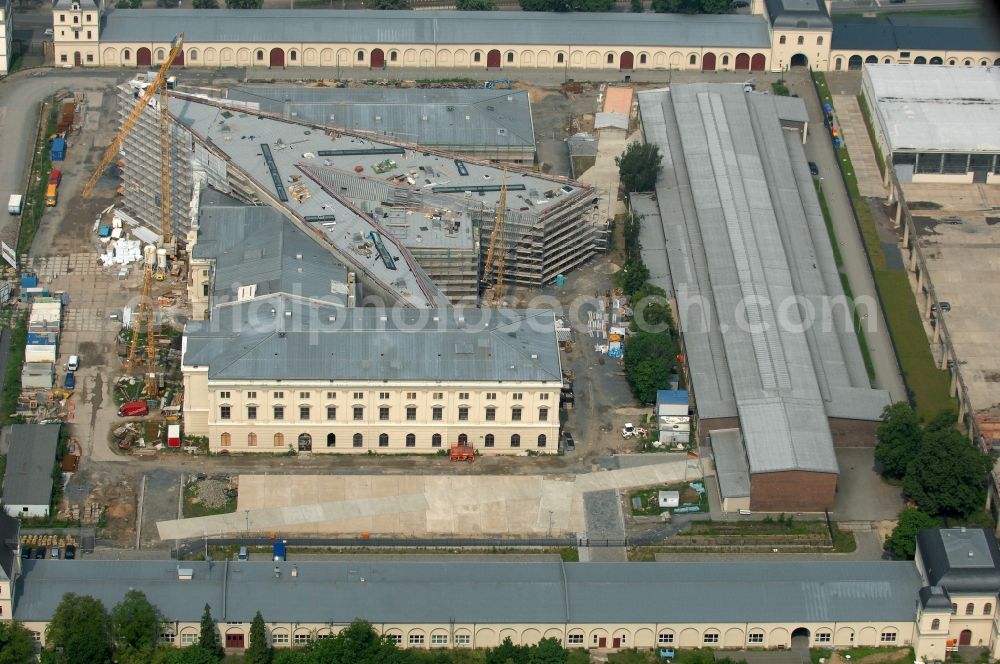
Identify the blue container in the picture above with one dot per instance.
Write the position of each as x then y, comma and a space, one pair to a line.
279, 550
104, 231
29, 280
58, 149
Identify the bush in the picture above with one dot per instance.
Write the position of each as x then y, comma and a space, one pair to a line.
639, 166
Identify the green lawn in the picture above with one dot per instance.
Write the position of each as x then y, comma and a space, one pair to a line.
650, 499
928, 386
194, 508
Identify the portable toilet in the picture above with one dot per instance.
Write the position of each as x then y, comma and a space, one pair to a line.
173, 435
279, 550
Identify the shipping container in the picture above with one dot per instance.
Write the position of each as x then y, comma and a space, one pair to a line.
58, 149
279, 550
14, 203
37, 376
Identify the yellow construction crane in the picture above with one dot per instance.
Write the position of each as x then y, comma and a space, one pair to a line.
493, 279
145, 316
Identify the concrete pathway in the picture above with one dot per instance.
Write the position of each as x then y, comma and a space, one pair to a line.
820, 150
859, 146
421, 505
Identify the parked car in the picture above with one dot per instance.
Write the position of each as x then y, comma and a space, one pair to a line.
70, 381
70, 552
25, 552
40, 553
54, 553
814, 169
133, 409
568, 443
244, 554
74, 363
941, 306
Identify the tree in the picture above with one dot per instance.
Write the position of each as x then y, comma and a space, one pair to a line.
716, 7
80, 632
284, 656
548, 651
637, 6
507, 653
205, 4
476, 5
899, 437
128, 4
650, 358
639, 166
244, 4
902, 543
135, 622
259, 651
16, 644
947, 477
209, 637
191, 655
358, 644
634, 276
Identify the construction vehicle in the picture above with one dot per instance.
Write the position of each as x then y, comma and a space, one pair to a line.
462, 452
493, 276
632, 431
498, 84
51, 195
157, 87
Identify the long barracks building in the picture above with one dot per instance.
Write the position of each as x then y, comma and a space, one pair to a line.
777, 34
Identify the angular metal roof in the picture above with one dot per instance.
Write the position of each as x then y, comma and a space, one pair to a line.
894, 32
960, 560
279, 338
760, 300
499, 119
810, 14
569, 32
463, 593
28, 480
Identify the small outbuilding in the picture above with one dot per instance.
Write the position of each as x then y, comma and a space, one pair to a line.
669, 498
27, 483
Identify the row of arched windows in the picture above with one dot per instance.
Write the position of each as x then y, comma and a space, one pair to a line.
357, 440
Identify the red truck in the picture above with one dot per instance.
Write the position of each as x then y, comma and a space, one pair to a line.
133, 408
55, 177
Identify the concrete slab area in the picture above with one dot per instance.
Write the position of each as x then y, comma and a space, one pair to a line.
421, 505
859, 146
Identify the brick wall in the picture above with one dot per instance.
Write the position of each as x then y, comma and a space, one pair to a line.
792, 491
852, 433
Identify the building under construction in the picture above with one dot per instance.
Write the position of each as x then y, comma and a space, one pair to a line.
409, 220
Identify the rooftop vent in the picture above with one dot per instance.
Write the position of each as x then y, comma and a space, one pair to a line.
298, 257
534, 356
277, 571
295, 570
288, 314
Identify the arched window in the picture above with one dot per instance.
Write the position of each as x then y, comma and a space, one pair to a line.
159, 55
293, 56
819, 40
693, 59
226, 439
936, 623
361, 56
515, 440
193, 54
393, 56
383, 440
358, 440
951, 61
967, 62
801, 40
781, 39
920, 60
541, 440
331, 440
279, 440
260, 55
725, 60
838, 64
970, 609
510, 56
611, 58
252, 439
987, 608
560, 58
489, 440
477, 57
642, 58
463, 439
126, 54
954, 609
411, 440
436, 440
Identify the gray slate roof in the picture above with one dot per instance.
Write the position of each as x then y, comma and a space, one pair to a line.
736, 194
961, 560
445, 28
894, 32
425, 117
324, 343
489, 592
28, 479
798, 14
257, 246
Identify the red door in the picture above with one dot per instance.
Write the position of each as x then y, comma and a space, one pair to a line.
965, 638
493, 59
143, 57
234, 641
616, 642
378, 58
708, 62
757, 62
627, 61
602, 642
277, 57
179, 60
77, 59
742, 62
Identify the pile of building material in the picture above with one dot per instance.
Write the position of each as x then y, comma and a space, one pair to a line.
122, 252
